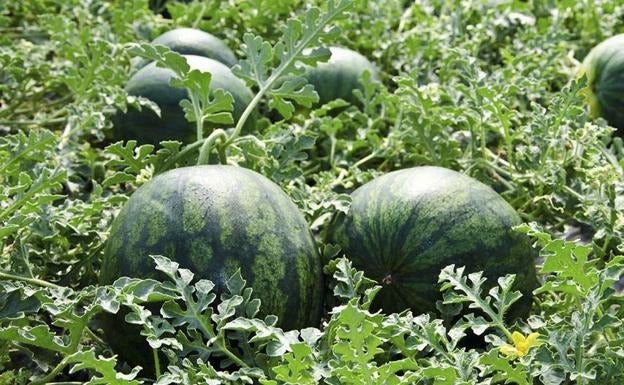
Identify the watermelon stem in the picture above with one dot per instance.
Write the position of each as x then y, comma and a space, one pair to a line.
156, 362
197, 110
204, 152
33, 281
556, 126
209, 332
43, 122
53, 373
186, 151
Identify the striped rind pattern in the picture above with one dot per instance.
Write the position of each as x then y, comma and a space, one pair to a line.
192, 41
152, 82
405, 226
214, 220
340, 75
604, 66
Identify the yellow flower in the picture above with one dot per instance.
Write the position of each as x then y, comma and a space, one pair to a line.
521, 344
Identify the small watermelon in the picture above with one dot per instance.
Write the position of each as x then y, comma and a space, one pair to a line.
405, 226
340, 75
604, 68
215, 220
152, 82
191, 41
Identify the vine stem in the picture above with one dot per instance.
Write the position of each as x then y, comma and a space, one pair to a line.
156, 362
219, 342
279, 71
33, 281
65, 383
50, 376
199, 117
204, 153
186, 151
95, 337
32, 122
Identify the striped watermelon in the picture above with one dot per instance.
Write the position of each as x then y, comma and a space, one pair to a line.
152, 82
405, 226
215, 220
604, 67
191, 41
340, 75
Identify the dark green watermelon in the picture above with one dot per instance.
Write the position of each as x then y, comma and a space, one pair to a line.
191, 41
405, 226
152, 82
214, 220
340, 75
604, 67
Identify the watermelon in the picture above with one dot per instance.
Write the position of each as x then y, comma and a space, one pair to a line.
191, 41
604, 68
405, 226
215, 220
152, 82
340, 75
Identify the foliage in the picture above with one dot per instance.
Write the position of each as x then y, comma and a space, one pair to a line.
477, 86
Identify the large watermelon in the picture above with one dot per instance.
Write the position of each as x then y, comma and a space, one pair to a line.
604, 67
191, 41
152, 82
340, 75
405, 226
214, 220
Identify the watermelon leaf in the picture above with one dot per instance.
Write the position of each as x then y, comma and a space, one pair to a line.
15, 305
505, 371
458, 288
267, 66
162, 55
200, 107
105, 366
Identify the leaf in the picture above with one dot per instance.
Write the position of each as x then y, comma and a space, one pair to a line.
269, 66
104, 366
568, 260
458, 288
275, 341
39, 335
7, 230
441, 375
350, 283
32, 145
162, 55
292, 89
504, 370
132, 158
235, 283
215, 109
118, 178
14, 305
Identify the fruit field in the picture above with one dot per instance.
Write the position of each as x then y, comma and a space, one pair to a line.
274, 192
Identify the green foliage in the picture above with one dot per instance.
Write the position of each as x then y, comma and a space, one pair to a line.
353, 346
484, 88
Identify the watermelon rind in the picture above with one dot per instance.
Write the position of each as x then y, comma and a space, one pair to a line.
407, 225
216, 220
604, 69
340, 75
192, 41
152, 82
